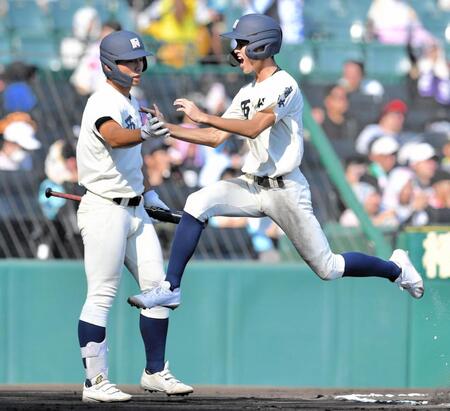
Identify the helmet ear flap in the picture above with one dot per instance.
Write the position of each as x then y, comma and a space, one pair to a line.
269, 47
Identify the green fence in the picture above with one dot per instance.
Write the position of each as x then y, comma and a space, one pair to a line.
240, 323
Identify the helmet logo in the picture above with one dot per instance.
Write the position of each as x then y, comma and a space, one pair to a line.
135, 43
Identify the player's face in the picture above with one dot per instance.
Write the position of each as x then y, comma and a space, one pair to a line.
245, 63
132, 68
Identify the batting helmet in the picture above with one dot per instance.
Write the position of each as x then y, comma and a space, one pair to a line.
262, 32
121, 45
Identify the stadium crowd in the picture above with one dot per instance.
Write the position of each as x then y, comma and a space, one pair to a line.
393, 140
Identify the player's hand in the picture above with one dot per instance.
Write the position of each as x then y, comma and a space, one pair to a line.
151, 198
154, 128
190, 109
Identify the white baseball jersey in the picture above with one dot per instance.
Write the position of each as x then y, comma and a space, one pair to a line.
278, 150
103, 170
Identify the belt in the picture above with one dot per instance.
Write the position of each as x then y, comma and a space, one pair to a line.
267, 182
128, 202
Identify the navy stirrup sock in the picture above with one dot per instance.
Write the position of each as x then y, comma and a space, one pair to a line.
154, 334
363, 265
186, 239
89, 332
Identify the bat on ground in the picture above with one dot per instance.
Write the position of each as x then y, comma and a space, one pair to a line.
160, 214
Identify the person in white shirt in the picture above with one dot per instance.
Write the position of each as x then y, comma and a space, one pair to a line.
268, 113
112, 220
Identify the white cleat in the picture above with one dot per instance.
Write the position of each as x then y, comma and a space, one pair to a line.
102, 390
164, 381
409, 279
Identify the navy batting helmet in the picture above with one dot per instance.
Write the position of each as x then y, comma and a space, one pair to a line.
262, 32
121, 45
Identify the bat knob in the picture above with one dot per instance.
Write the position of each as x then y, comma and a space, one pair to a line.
48, 192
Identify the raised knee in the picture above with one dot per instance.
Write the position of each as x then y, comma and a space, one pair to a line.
332, 269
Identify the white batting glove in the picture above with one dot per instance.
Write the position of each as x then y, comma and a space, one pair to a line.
151, 198
154, 128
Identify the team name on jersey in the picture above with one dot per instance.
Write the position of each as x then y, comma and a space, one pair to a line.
129, 124
282, 97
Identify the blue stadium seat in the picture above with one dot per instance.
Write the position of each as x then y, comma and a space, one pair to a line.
5, 49
386, 62
61, 14
38, 50
27, 17
291, 55
331, 55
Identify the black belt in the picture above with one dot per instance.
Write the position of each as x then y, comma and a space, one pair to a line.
128, 202
268, 182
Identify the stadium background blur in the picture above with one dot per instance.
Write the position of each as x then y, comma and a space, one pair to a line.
49, 67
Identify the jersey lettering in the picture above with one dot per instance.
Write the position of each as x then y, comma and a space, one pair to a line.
245, 108
282, 97
260, 102
129, 124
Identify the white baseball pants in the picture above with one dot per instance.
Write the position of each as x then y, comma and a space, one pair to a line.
290, 207
114, 235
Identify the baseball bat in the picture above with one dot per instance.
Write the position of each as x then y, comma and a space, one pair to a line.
160, 214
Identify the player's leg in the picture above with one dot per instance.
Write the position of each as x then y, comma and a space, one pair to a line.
144, 259
104, 250
298, 221
234, 197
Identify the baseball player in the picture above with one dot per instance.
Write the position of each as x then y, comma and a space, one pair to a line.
268, 112
112, 220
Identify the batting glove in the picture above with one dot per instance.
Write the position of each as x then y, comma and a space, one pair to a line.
154, 128
151, 198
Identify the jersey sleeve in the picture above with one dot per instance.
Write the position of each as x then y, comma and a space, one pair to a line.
281, 100
98, 108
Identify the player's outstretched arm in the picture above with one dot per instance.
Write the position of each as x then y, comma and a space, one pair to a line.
250, 128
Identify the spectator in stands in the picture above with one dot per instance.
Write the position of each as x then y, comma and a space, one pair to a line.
370, 198
174, 23
382, 156
390, 123
166, 179
396, 22
88, 75
340, 127
398, 194
19, 140
445, 161
61, 237
433, 74
289, 13
423, 161
356, 84
440, 183
86, 27
18, 94
211, 14
188, 157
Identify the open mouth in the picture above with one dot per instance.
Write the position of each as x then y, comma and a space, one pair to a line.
239, 58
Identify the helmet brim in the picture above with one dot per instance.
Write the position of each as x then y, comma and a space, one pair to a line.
135, 54
234, 35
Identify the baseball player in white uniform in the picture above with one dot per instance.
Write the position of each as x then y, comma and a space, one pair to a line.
268, 112
113, 223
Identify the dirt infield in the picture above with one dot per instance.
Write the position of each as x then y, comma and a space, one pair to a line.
67, 397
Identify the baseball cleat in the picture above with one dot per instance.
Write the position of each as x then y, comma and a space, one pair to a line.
101, 390
161, 296
164, 381
409, 279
